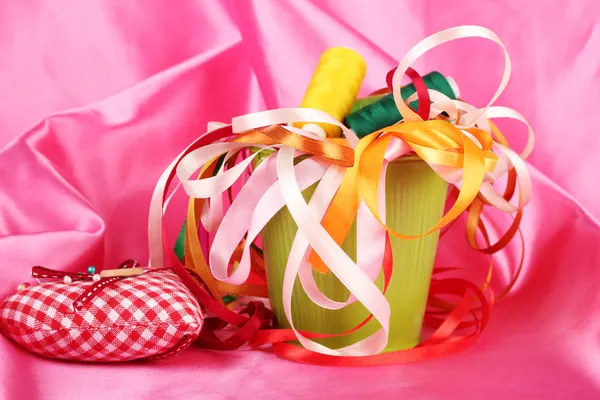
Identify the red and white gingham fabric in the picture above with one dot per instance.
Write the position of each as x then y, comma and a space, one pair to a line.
151, 315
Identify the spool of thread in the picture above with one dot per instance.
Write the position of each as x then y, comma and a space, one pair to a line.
365, 101
334, 87
384, 112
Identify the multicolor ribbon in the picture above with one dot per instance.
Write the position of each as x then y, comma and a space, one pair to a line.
470, 153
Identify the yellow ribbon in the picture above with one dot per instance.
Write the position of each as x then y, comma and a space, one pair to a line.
436, 142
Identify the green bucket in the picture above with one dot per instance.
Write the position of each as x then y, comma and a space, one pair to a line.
415, 197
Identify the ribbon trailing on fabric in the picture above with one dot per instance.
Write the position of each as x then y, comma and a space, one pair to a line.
456, 139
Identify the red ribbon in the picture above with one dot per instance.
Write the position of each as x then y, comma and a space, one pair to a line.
90, 291
96, 287
252, 328
424, 105
247, 326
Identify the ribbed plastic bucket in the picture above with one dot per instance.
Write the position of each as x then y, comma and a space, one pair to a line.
415, 197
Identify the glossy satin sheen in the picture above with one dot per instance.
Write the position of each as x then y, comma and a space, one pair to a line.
75, 188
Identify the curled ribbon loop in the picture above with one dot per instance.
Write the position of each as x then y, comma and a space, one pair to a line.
456, 139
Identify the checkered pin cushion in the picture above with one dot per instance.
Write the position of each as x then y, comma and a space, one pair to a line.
148, 316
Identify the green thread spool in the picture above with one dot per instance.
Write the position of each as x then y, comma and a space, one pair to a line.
179, 247
365, 101
384, 112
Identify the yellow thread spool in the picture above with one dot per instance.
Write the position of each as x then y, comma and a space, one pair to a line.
334, 87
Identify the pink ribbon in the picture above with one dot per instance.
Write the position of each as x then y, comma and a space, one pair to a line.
278, 183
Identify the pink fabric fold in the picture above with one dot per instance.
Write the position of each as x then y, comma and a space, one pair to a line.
96, 98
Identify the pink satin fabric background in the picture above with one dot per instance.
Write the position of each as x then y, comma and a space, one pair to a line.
97, 97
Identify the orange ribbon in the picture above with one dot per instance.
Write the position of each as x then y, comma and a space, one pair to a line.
334, 150
437, 142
